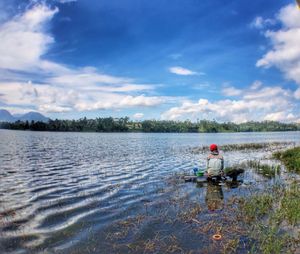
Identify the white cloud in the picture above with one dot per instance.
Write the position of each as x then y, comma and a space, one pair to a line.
113, 101
280, 116
255, 85
54, 99
231, 91
24, 42
141, 100
183, 71
297, 94
16, 110
53, 108
202, 86
261, 23
86, 76
119, 88
267, 92
257, 22
285, 53
138, 115
262, 104
289, 16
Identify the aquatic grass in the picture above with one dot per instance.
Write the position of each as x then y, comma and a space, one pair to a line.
190, 214
290, 158
256, 222
290, 205
267, 170
259, 232
288, 209
280, 202
231, 246
263, 168
244, 147
256, 206
270, 240
267, 214
156, 244
123, 227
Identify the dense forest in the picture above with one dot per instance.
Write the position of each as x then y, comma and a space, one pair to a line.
124, 124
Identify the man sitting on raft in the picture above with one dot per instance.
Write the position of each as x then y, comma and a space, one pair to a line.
215, 164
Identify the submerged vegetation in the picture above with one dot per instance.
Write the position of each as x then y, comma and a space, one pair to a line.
273, 218
265, 220
124, 124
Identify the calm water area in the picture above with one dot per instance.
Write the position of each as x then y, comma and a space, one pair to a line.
59, 192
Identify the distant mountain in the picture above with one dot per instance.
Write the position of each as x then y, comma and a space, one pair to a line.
33, 116
5, 116
17, 115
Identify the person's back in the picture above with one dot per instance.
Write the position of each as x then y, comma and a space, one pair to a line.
215, 162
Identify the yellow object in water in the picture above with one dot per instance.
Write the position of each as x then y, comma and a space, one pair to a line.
217, 237
298, 2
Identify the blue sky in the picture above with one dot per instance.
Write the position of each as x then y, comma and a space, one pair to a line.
160, 59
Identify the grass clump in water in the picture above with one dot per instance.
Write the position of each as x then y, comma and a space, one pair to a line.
244, 147
272, 218
253, 146
289, 206
264, 169
256, 206
271, 240
290, 158
267, 170
231, 246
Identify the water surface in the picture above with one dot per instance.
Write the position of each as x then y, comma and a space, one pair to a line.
58, 189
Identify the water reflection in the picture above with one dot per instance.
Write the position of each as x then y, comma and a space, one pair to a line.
214, 198
234, 184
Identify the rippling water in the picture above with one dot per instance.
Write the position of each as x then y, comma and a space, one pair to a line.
57, 187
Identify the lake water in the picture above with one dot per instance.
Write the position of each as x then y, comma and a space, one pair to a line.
58, 189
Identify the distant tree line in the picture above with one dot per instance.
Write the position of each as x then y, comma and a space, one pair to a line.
124, 124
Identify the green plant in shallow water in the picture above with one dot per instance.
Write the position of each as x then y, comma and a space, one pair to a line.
252, 146
264, 169
289, 209
271, 241
256, 206
290, 158
244, 147
264, 213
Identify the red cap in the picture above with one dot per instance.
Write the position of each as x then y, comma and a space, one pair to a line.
213, 147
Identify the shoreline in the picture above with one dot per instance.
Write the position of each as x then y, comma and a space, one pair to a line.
144, 132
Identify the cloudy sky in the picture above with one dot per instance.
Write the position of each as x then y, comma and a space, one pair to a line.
159, 59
